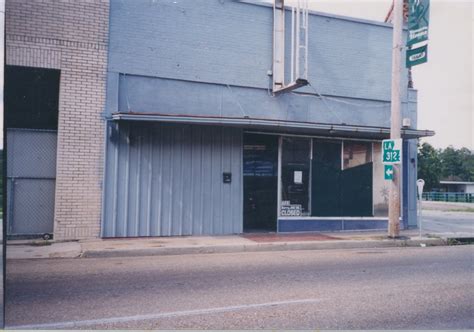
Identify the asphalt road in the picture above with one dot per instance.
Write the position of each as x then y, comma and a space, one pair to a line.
453, 222
397, 288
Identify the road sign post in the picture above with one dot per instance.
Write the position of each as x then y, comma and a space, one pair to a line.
395, 118
392, 158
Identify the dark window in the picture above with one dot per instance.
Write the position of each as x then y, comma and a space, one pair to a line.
31, 97
356, 179
295, 170
326, 179
341, 191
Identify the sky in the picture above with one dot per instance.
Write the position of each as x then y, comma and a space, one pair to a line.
445, 82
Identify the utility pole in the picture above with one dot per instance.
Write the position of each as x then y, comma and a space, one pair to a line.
395, 119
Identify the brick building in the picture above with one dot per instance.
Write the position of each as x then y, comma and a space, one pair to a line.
167, 125
70, 38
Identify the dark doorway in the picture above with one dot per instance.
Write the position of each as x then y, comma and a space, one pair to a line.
260, 170
31, 97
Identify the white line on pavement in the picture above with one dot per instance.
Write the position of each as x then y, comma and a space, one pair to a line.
112, 320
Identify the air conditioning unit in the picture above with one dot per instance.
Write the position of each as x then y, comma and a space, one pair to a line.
406, 123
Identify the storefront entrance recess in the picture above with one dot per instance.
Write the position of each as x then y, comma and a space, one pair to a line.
260, 171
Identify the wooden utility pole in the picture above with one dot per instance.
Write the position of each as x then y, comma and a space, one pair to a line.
395, 119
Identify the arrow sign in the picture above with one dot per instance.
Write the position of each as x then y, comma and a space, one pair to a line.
388, 172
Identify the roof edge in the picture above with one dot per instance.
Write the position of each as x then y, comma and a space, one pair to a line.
455, 182
269, 123
329, 15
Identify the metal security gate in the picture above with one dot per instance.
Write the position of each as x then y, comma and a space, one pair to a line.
31, 172
172, 180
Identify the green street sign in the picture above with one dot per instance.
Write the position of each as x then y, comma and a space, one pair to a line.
418, 21
417, 56
392, 156
388, 172
388, 144
392, 151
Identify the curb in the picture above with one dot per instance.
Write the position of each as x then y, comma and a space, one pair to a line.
286, 246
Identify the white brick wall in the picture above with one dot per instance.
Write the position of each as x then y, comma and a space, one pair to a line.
70, 35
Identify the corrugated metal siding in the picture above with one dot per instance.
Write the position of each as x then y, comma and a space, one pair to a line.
165, 179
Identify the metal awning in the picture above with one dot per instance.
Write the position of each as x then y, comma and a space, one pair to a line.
277, 126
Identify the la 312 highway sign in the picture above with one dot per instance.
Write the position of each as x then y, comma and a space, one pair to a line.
392, 151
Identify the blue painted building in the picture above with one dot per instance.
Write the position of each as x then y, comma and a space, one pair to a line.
196, 142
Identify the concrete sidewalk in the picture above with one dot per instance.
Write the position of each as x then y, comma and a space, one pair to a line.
128, 247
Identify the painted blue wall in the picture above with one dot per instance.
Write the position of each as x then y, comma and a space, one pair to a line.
166, 180
230, 42
410, 161
160, 52
211, 58
157, 95
331, 225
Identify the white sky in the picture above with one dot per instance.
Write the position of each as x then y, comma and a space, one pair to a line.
445, 83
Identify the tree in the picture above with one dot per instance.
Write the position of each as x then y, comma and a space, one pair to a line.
429, 166
457, 165
451, 164
467, 161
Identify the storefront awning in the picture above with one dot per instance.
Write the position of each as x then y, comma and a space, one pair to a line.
278, 126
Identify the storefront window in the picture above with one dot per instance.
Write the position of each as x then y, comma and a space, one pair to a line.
356, 179
341, 189
356, 153
326, 179
295, 176
338, 178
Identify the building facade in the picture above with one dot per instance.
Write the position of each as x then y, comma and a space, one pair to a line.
55, 167
457, 186
168, 125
